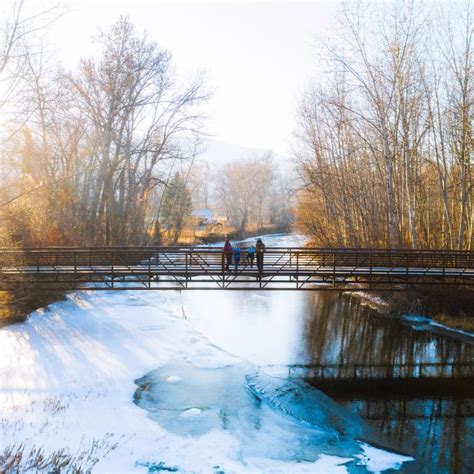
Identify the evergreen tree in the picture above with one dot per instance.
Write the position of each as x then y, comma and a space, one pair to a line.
176, 206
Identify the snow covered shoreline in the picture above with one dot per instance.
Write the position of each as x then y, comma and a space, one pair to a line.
422, 322
67, 383
417, 321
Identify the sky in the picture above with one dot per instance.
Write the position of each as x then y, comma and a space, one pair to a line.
258, 56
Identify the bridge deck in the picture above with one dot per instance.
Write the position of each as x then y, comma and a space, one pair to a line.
204, 268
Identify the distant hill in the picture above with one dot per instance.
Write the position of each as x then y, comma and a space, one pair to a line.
220, 153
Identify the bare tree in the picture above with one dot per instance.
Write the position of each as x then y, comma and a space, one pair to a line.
136, 112
385, 140
243, 188
100, 143
22, 23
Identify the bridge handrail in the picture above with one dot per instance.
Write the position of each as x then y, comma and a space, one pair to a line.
219, 249
303, 256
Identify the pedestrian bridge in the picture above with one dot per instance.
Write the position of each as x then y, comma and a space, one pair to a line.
179, 268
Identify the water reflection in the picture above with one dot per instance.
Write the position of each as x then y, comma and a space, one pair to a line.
260, 327
433, 419
339, 330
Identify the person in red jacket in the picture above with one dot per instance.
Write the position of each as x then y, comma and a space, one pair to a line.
227, 254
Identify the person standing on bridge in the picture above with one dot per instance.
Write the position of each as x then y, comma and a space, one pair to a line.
227, 254
260, 248
251, 255
237, 253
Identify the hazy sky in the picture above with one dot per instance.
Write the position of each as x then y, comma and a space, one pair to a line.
258, 56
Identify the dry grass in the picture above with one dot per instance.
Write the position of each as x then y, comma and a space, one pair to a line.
20, 458
191, 235
462, 321
453, 307
21, 300
27, 456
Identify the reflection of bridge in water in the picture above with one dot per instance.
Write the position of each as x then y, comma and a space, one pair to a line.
430, 417
388, 381
395, 371
400, 392
415, 409
139, 268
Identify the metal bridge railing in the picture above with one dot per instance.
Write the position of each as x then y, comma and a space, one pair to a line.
393, 258
185, 267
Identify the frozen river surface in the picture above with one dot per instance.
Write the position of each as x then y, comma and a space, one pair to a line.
150, 381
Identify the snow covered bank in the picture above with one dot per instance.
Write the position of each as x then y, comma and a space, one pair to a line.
67, 382
419, 322
416, 321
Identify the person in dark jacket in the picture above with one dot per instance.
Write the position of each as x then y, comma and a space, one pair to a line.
227, 254
260, 249
237, 254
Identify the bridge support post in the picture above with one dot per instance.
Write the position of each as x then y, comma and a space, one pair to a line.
223, 269
186, 273
112, 259
370, 275
75, 270
149, 270
297, 270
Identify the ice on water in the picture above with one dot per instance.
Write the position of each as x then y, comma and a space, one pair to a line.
272, 418
294, 398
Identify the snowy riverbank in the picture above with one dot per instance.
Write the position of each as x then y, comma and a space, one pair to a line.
67, 383
418, 322
423, 323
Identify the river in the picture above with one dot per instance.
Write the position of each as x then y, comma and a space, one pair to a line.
219, 383
434, 425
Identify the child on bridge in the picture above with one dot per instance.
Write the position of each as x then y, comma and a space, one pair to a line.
251, 255
237, 254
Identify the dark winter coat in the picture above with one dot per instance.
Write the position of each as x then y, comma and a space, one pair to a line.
228, 248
